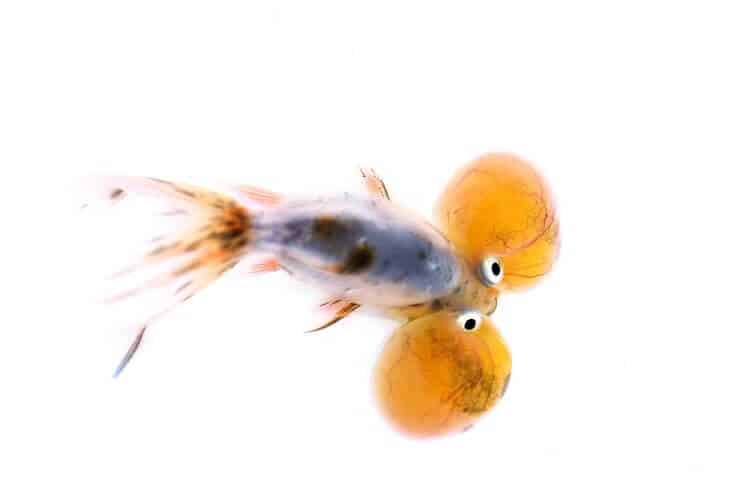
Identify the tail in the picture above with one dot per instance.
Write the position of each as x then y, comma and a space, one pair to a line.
213, 235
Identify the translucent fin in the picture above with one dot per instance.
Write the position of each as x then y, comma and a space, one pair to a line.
374, 184
261, 196
337, 310
266, 266
203, 234
130, 353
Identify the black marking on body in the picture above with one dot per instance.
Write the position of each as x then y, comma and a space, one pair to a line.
359, 259
327, 227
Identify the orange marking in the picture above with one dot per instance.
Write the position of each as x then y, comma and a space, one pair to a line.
261, 196
267, 266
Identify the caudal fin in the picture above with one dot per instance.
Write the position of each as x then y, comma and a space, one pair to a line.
212, 235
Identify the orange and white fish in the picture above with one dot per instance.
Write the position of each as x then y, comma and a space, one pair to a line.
359, 250
447, 364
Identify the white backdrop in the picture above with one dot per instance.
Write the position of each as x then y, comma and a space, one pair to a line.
626, 360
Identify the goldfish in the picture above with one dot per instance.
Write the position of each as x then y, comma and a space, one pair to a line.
495, 231
360, 250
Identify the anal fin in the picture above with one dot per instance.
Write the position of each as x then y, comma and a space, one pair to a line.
266, 266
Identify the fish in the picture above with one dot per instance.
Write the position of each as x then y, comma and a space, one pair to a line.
359, 250
440, 373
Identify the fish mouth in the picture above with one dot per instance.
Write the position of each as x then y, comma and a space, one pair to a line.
490, 311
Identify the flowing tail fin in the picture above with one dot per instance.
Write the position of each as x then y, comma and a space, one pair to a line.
212, 236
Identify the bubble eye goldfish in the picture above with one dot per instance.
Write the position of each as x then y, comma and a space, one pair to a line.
500, 215
360, 250
441, 372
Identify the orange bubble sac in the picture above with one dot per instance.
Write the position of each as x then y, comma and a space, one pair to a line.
439, 373
499, 205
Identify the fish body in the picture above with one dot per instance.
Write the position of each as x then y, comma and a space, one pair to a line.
364, 250
359, 250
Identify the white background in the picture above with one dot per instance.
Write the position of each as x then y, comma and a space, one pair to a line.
627, 360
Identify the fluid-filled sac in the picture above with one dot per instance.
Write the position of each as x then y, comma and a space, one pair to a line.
499, 205
441, 372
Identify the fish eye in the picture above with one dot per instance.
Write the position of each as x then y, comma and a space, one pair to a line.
469, 321
491, 271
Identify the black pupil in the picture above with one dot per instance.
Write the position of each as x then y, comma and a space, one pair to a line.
495, 268
470, 324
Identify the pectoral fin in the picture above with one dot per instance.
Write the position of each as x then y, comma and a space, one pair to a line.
336, 309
